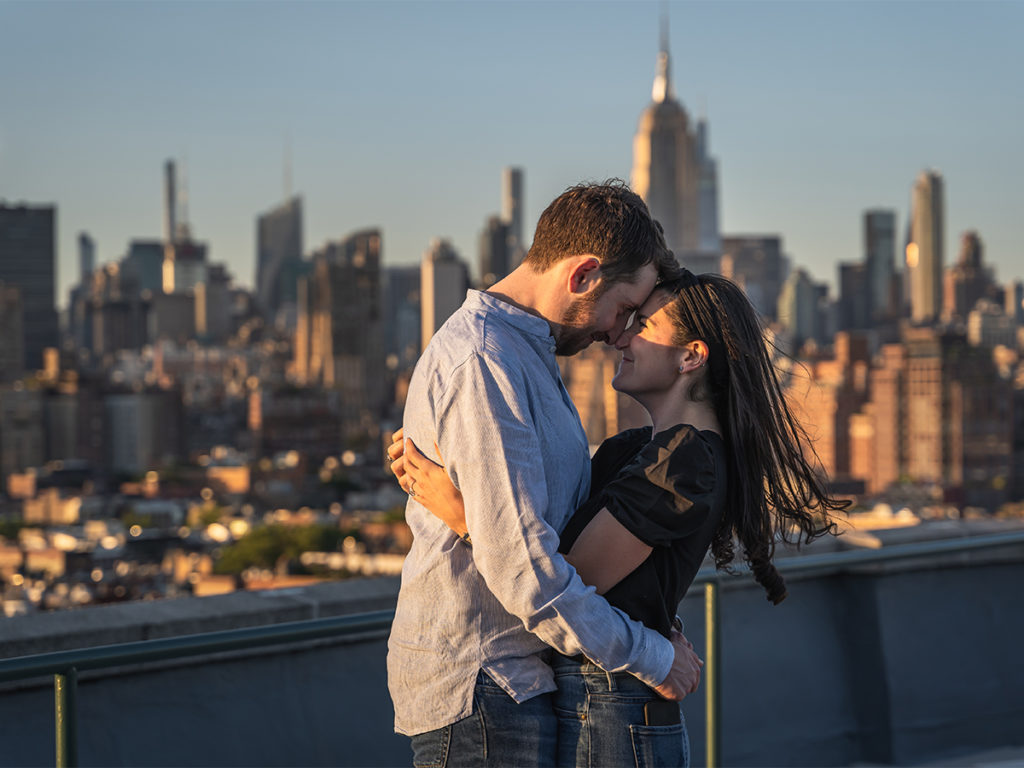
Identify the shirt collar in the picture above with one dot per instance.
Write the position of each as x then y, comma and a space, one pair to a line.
514, 316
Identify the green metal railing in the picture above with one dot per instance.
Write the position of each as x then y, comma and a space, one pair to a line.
65, 665
833, 562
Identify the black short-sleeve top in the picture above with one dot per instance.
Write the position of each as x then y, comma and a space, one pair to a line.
668, 490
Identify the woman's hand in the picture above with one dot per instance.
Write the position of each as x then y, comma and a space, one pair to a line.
427, 482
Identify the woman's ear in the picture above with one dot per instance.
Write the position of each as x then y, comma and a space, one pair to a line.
693, 356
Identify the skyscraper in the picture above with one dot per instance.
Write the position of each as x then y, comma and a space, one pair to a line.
444, 279
184, 264
798, 308
28, 261
512, 207
495, 252
926, 249
278, 255
672, 170
880, 261
756, 263
86, 256
339, 338
967, 281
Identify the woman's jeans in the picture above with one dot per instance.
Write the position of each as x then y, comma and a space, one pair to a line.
601, 720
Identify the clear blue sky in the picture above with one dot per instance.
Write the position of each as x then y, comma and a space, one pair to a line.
402, 114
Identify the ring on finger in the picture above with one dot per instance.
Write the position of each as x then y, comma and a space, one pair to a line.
412, 489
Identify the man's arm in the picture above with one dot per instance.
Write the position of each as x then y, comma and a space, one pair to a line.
485, 413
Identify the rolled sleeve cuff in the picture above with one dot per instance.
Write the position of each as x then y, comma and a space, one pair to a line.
653, 666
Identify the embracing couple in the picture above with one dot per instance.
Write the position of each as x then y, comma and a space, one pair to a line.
535, 622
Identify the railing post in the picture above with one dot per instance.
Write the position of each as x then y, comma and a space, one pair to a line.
65, 693
712, 675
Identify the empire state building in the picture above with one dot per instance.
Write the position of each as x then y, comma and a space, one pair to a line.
675, 175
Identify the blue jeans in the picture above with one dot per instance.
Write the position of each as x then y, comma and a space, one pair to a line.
601, 720
498, 733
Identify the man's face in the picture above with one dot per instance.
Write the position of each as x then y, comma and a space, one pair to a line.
602, 314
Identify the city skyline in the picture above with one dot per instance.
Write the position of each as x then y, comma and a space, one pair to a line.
402, 115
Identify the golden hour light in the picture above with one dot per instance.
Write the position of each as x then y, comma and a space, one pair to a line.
912, 255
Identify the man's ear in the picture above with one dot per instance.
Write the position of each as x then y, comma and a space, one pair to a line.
585, 274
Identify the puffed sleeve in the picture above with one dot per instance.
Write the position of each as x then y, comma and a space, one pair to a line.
665, 492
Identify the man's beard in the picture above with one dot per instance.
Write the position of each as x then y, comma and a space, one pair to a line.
575, 331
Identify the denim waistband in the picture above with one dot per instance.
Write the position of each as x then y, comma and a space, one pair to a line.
597, 678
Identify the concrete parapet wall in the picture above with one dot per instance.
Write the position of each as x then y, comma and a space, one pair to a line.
886, 664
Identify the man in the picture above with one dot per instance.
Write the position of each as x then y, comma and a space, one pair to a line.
475, 619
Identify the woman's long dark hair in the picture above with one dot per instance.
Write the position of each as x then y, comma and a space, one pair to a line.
773, 490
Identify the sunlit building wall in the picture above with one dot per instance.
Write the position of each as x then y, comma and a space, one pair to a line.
925, 252
342, 298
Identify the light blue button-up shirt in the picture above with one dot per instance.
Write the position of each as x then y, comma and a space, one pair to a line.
488, 391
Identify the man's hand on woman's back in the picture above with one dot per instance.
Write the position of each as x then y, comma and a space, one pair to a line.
684, 677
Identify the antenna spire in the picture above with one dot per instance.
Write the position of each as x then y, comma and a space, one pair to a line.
662, 90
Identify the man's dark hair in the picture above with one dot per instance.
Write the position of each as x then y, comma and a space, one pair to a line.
608, 220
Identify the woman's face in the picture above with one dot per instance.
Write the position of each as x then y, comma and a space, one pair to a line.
650, 361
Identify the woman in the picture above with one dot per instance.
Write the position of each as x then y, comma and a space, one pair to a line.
722, 462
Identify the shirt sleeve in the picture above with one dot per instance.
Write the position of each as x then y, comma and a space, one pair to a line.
664, 493
489, 440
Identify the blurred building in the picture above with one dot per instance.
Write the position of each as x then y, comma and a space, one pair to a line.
673, 171
12, 333
824, 393
496, 249
799, 310
925, 252
880, 262
28, 259
142, 266
308, 422
854, 297
401, 295
86, 256
143, 429
513, 208
1013, 300
213, 306
279, 262
756, 263
603, 410
444, 279
988, 326
339, 339
21, 429
967, 281
184, 263
931, 410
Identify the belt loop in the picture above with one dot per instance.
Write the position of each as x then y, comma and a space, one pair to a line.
611, 681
